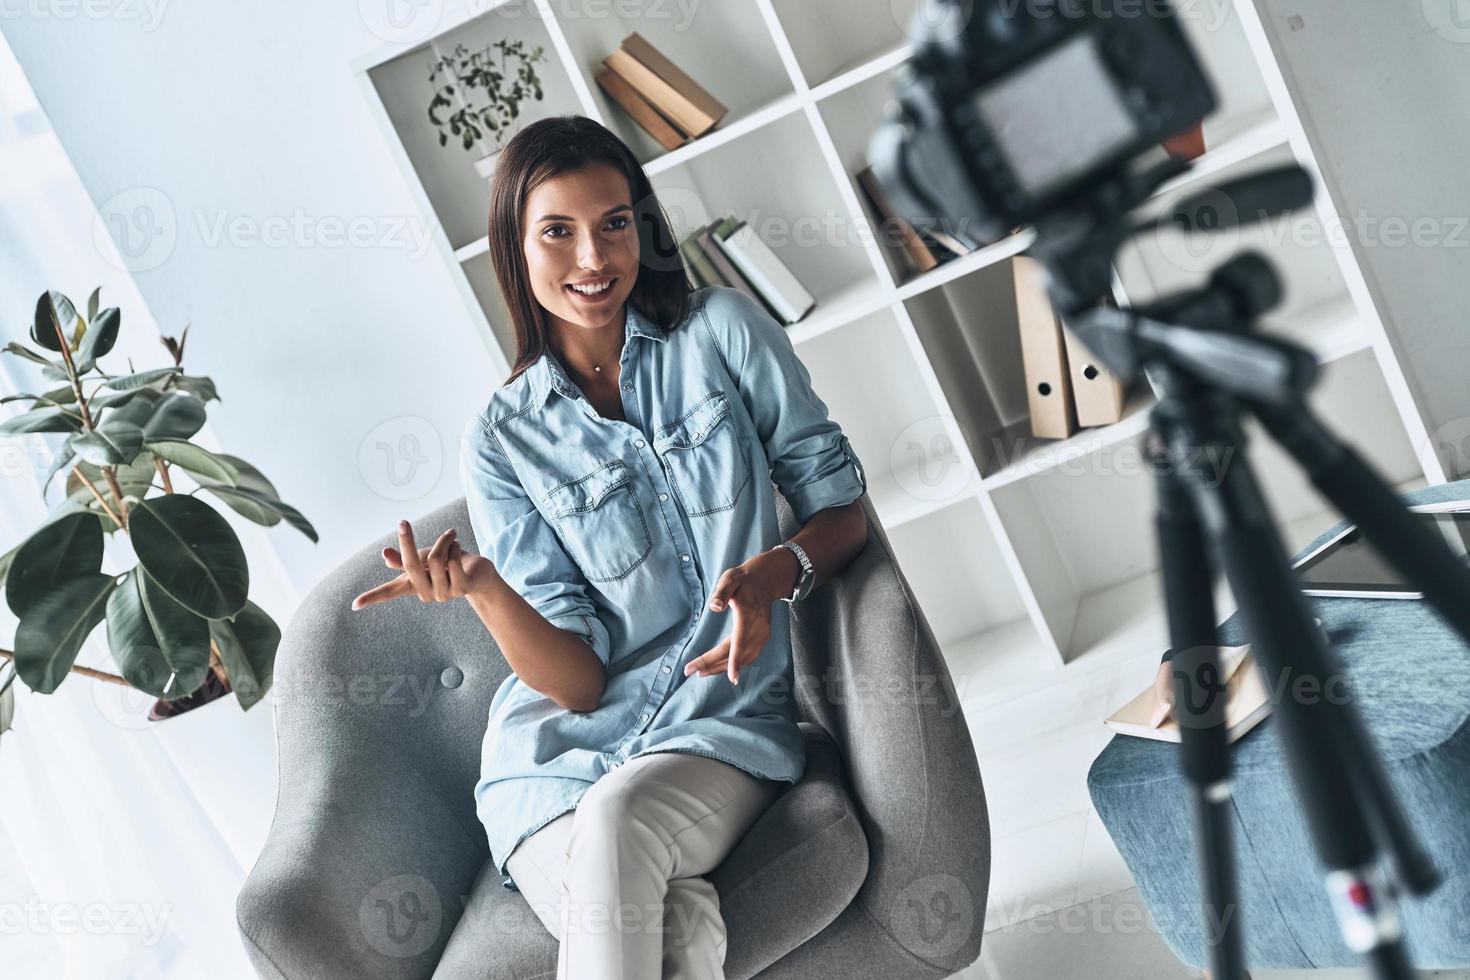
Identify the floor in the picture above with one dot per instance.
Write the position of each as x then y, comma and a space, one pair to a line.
1062, 903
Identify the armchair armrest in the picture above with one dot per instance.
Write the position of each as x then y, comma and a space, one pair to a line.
375, 841
869, 671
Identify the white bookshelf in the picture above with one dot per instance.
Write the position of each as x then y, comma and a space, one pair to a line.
1027, 555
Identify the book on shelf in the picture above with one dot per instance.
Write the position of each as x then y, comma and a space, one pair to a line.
644, 113
728, 274
770, 277
921, 257
702, 271
658, 81
1247, 702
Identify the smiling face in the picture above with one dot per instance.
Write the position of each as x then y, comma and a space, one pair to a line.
579, 229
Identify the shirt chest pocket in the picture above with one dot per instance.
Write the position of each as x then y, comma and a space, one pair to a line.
705, 456
601, 522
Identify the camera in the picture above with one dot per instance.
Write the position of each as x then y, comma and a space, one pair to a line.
1010, 110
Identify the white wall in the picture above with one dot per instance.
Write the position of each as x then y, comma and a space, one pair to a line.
205, 114
1382, 89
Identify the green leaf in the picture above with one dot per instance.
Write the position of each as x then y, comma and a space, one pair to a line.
98, 340
93, 302
178, 416
199, 386
262, 509
196, 459
59, 551
138, 410
22, 351
63, 457
7, 702
41, 420
134, 478
114, 443
247, 647
135, 646
182, 636
55, 372
112, 399
247, 476
53, 310
6, 560
54, 629
130, 381
190, 550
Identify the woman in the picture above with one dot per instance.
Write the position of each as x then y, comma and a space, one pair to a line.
632, 572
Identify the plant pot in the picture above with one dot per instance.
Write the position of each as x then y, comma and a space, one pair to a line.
213, 688
485, 166
1187, 145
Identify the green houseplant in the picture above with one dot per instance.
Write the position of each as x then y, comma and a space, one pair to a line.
183, 611
489, 93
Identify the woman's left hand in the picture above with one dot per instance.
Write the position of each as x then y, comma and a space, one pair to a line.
750, 588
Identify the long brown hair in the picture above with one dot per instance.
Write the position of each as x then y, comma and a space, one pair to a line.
549, 148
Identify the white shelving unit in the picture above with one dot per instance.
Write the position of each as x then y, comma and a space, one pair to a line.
1027, 555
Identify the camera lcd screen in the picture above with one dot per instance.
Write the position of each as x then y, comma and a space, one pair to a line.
1350, 563
1058, 116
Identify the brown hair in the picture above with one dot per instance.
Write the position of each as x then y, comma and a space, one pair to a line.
549, 148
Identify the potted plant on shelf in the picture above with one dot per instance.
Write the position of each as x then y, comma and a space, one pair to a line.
180, 625
485, 93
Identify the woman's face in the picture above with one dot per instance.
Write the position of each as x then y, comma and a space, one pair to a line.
579, 229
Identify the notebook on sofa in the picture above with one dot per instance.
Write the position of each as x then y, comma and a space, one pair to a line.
1247, 702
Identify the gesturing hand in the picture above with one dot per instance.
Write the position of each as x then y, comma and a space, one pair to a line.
439, 574
750, 587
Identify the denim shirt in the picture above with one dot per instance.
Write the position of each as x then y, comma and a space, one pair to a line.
618, 531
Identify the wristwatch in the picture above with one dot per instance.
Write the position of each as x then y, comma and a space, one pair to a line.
808, 573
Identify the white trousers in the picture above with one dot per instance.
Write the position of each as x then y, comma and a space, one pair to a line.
618, 881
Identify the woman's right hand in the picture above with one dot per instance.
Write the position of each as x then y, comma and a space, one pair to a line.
442, 573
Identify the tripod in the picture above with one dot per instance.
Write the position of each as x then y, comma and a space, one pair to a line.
1209, 370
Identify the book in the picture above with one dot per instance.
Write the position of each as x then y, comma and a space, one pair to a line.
668, 89
727, 272
1097, 393
763, 270
1247, 702
701, 271
639, 108
920, 256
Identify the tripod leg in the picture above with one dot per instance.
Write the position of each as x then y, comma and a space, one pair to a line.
1286, 643
1199, 708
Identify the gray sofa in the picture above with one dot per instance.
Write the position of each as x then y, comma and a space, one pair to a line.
875, 865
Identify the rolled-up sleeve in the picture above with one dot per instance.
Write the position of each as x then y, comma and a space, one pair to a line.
512, 534
812, 462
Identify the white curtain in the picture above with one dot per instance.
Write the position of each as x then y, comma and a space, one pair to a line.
125, 841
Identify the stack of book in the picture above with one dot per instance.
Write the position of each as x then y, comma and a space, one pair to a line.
670, 105
921, 251
728, 252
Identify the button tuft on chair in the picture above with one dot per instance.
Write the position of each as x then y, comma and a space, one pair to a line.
451, 678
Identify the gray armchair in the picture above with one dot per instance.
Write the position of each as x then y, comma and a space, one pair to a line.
876, 865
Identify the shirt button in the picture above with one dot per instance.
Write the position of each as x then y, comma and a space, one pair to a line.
639, 443
667, 668
683, 557
643, 717
627, 386
663, 496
